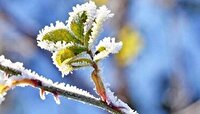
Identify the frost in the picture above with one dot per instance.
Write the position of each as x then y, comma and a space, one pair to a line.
90, 9
8, 63
109, 46
42, 94
52, 47
102, 15
57, 100
49, 45
27, 76
2, 97
114, 101
95, 18
47, 29
64, 68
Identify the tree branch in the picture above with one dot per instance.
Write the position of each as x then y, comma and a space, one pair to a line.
78, 97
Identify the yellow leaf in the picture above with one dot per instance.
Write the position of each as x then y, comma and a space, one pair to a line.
100, 2
132, 44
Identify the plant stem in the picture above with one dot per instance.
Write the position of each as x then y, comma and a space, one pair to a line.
100, 88
61, 92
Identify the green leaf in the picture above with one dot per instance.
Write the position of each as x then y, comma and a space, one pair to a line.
63, 55
80, 62
77, 26
84, 17
87, 37
69, 53
77, 49
60, 35
100, 50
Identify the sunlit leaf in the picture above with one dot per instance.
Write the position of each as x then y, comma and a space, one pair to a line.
77, 49
87, 37
63, 55
77, 26
100, 50
68, 53
80, 62
60, 35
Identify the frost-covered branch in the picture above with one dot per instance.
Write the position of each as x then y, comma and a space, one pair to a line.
18, 76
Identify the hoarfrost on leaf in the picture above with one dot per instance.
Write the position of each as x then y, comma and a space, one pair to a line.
90, 9
105, 47
101, 16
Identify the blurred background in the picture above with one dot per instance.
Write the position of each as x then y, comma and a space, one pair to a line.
156, 72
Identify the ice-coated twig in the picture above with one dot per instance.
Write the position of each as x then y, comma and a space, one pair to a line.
19, 76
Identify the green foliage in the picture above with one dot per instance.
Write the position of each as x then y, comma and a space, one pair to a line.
63, 55
60, 35
77, 26
87, 37
100, 50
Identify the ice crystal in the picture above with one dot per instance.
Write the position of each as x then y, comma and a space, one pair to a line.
114, 101
49, 45
28, 75
106, 47
89, 8
102, 15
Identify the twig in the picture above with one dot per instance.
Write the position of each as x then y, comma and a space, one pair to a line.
81, 98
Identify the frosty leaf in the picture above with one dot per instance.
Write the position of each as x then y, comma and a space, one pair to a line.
105, 47
67, 53
80, 62
77, 26
100, 50
88, 13
63, 55
60, 35
56, 37
77, 49
87, 37
102, 14
63, 59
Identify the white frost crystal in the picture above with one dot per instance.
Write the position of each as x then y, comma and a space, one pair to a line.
118, 103
28, 74
58, 25
64, 68
95, 18
2, 97
51, 46
7, 63
2, 82
48, 45
90, 9
102, 15
109, 45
